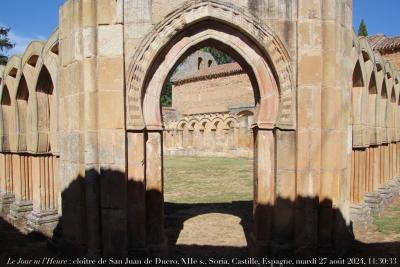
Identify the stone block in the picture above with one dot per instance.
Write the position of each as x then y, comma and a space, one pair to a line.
111, 110
110, 40
110, 73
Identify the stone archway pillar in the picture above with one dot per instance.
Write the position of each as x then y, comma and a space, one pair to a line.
156, 238
136, 189
179, 136
264, 191
6, 194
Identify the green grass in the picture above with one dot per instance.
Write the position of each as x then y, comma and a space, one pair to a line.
207, 179
389, 222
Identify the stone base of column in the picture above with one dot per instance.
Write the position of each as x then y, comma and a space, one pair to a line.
385, 193
360, 213
397, 184
373, 201
394, 187
43, 222
18, 212
6, 199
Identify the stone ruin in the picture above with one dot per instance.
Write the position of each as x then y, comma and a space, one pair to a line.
82, 129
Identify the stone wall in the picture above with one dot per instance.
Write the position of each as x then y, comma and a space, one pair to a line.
210, 134
393, 58
204, 120
209, 94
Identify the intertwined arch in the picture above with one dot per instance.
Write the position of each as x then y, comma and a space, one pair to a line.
267, 51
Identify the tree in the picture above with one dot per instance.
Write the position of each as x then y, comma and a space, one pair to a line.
219, 56
362, 29
166, 95
5, 44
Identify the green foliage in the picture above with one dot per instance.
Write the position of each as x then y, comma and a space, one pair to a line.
362, 29
207, 179
166, 96
218, 55
389, 222
5, 44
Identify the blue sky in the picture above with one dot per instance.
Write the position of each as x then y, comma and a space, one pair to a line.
36, 19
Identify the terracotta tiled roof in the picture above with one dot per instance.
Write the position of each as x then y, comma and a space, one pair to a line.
384, 44
212, 72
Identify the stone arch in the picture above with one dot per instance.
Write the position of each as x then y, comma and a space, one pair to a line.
397, 116
12, 74
22, 99
260, 53
392, 115
31, 63
243, 24
367, 53
359, 106
50, 57
389, 78
372, 111
217, 123
181, 124
2, 67
44, 90
384, 103
6, 113
193, 124
204, 123
230, 122
245, 113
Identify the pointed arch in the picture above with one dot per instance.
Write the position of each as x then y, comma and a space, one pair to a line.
22, 109
44, 91
6, 113
359, 106
372, 110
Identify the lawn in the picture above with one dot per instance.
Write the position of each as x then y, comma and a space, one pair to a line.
207, 179
389, 223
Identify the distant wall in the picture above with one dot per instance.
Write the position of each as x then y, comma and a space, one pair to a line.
213, 94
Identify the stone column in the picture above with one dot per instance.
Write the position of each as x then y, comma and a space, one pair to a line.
155, 235
284, 208
6, 183
264, 191
136, 193
236, 139
376, 168
323, 137
23, 199
180, 138
44, 216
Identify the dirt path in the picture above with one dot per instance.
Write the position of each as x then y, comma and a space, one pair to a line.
208, 230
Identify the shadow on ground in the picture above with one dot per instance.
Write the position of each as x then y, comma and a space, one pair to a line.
108, 185
177, 214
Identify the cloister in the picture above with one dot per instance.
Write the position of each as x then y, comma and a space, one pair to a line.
82, 132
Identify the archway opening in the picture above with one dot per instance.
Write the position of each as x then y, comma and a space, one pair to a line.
45, 155
44, 91
208, 154
6, 113
22, 105
269, 80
